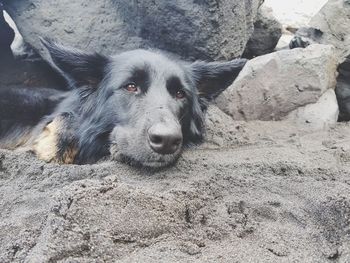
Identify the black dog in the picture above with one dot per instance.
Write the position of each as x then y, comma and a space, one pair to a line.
140, 105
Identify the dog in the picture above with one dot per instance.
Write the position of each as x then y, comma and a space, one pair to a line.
142, 106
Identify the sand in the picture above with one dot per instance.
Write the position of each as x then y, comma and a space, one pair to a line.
254, 192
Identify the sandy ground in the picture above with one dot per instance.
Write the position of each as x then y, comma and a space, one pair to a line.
254, 192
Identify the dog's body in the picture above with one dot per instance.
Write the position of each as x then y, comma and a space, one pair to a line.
141, 104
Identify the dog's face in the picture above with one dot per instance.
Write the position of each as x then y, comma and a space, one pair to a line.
156, 104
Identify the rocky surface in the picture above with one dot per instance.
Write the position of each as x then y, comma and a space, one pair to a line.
192, 29
333, 21
267, 32
273, 85
263, 191
293, 15
329, 26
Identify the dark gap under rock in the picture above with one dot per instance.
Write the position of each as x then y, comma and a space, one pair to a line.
342, 90
7, 35
23, 67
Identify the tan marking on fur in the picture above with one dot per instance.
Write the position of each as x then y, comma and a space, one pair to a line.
45, 146
69, 155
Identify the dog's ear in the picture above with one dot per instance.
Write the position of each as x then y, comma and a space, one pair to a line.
212, 78
78, 67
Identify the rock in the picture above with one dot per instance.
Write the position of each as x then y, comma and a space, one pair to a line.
283, 42
293, 15
333, 21
267, 32
192, 29
343, 90
320, 115
305, 36
271, 86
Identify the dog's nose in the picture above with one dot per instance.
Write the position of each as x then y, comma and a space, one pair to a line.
165, 139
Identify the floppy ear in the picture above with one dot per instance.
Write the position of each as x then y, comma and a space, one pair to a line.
78, 67
212, 78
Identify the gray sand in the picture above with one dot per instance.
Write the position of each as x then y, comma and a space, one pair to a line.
254, 192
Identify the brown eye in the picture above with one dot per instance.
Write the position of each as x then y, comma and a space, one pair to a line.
180, 94
131, 87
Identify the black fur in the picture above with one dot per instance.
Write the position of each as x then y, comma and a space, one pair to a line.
22, 109
104, 116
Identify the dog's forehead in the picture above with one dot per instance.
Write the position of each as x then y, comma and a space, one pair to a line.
150, 61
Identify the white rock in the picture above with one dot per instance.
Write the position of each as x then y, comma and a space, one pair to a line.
284, 41
271, 86
320, 115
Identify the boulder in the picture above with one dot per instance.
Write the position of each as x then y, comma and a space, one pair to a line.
273, 85
283, 42
305, 36
267, 32
333, 21
321, 115
329, 26
192, 29
293, 15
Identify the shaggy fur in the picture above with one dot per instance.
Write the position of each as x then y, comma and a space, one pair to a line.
102, 113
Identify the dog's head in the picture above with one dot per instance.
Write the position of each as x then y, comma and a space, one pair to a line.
156, 104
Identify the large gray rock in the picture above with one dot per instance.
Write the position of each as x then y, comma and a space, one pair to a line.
333, 21
271, 86
329, 26
267, 32
192, 29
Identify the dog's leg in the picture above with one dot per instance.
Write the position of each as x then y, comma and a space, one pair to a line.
56, 142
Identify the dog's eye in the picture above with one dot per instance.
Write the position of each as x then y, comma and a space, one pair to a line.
132, 87
180, 94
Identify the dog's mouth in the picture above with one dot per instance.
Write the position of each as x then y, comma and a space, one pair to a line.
152, 160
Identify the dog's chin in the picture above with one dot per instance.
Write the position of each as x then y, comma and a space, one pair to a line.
144, 163
151, 160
